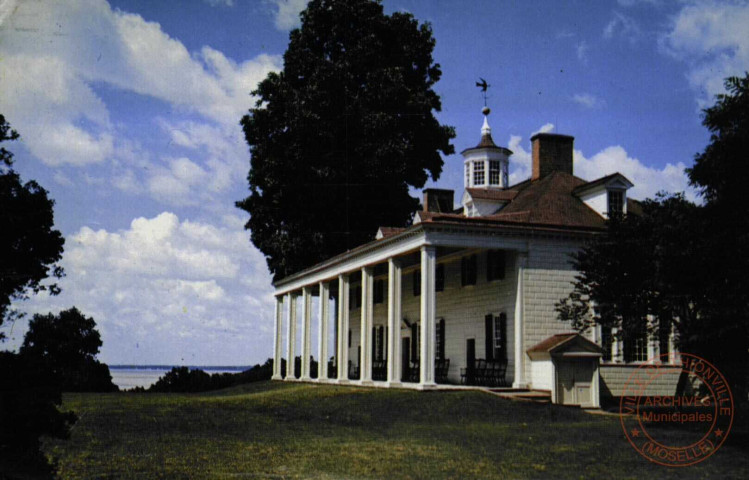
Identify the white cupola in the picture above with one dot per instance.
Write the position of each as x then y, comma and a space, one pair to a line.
486, 165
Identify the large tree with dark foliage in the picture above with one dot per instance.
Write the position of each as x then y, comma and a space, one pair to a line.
721, 173
29, 250
67, 345
642, 265
340, 135
30, 247
682, 264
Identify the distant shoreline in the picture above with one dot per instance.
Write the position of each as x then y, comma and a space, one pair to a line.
231, 368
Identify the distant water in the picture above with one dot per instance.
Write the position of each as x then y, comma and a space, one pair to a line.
131, 376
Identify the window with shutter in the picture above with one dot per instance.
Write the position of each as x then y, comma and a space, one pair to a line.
500, 337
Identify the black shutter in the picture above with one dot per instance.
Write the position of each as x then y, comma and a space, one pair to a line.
441, 339
387, 339
414, 343
500, 259
502, 319
490, 260
374, 343
489, 345
439, 281
417, 283
472, 270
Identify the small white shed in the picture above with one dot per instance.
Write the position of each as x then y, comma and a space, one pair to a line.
567, 365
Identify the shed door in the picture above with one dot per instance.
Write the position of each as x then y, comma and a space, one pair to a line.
575, 380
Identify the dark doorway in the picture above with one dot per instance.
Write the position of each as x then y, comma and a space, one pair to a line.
470, 360
405, 359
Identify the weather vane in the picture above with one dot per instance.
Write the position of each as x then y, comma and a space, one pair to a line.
484, 87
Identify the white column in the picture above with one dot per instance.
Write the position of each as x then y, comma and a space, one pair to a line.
343, 327
277, 347
519, 380
290, 337
428, 307
306, 320
367, 304
322, 338
394, 322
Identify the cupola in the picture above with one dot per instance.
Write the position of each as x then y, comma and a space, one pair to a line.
486, 165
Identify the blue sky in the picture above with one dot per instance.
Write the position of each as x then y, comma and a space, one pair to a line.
129, 110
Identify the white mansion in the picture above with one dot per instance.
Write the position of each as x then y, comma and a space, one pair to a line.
466, 296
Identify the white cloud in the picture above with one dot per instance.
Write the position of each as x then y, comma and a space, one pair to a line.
215, 3
169, 291
287, 15
711, 37
622, 26
647, 180
588, 100
582, 51
54, 51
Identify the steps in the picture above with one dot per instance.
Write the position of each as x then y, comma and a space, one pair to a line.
535, 396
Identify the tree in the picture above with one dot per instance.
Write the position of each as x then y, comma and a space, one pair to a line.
29, 249
67, 345
29, 244
341, 134
721, 172
644, 265
683, 265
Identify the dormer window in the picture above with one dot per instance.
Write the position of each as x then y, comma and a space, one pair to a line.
468, 174
494, 172
615, 202
478, 173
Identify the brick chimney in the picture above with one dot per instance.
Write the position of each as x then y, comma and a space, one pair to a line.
551, 153
438, 200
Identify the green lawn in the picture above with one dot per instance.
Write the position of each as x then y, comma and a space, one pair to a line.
277, 430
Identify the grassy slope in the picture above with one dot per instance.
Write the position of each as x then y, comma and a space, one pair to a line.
276, 430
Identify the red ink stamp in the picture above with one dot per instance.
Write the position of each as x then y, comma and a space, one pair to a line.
682, 426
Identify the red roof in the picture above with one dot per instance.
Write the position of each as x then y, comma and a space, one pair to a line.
492, 194
390, 231
547, 201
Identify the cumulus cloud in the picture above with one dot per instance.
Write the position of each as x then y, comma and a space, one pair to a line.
648, 180
287, 15
711, 37
53, 52
588, 100
167, 290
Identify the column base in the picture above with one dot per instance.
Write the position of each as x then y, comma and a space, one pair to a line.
394, 384
367, 383
306, 379
520, 385
343, 381
276, 377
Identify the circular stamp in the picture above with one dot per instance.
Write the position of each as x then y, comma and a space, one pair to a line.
683, 410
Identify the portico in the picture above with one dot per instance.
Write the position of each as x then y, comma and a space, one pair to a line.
369, 328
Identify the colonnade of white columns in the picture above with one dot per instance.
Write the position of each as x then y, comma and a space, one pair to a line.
427, 324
